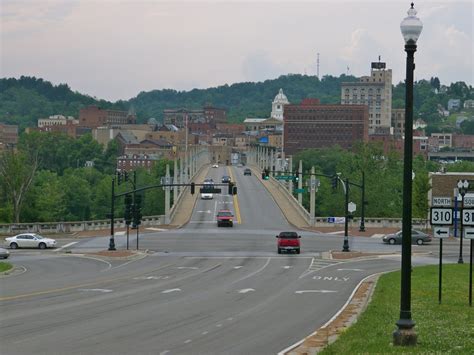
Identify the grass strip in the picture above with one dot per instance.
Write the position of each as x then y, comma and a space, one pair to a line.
441, 329
4, 266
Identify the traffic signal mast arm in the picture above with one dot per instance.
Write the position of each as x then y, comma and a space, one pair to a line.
166, 185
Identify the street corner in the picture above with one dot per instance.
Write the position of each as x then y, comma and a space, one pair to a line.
16, 270
341, 255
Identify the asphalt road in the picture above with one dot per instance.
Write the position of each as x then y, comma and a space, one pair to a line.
200, 290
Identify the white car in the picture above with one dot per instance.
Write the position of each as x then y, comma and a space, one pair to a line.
29, 240
215, 165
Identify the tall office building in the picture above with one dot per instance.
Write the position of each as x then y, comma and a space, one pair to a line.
375, 91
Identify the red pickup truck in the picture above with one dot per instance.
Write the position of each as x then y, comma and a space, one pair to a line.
288, 241
225, 218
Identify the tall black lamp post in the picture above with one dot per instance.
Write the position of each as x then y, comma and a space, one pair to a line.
463, 185
405, 334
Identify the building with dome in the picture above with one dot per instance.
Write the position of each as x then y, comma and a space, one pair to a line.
278, 105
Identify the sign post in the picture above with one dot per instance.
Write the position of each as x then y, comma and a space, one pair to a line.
440, 218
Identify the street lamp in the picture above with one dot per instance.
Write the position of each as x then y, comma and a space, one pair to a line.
411, 27
463, 185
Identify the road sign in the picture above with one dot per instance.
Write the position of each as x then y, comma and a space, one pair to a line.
441, 232
284, 177
468, 217
469, 233
210, 190
351, 207
299, 190
468, 201
441, 216
441, 201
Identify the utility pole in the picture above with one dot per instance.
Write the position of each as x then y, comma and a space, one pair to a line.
362, 208
175, 178
167, 195
300, 183
312, 196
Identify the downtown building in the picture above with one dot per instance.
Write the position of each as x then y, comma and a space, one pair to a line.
207, 115
312, 125
374, 91
94, 116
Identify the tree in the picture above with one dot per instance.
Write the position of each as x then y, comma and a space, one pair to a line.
17, 171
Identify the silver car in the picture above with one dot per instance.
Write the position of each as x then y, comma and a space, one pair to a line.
4, 253
417, 237
29, 240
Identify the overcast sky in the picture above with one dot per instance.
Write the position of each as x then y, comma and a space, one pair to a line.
113, 49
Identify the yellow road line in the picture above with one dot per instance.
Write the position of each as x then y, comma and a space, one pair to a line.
236, 201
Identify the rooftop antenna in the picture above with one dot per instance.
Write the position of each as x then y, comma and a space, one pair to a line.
347, 70
317, 66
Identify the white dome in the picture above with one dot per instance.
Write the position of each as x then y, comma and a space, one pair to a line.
281, 98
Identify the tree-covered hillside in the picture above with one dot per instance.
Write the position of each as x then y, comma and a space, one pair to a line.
23, 101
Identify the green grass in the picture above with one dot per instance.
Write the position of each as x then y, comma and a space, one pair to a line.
441, 329
5, 266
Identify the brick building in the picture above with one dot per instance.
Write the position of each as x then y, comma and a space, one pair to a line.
312, 125
208, 115
94, 116
398, 122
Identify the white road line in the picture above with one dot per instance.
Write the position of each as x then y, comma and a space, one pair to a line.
230, 318
314, 291
130, 261
171, 290
187, 341
219, 325
164, 352
350, 269
65, 246
156, 229
187, 267
119, 233
287, 267
96, 259
237, 267
245, 290
103, 290
205, 332
255, 272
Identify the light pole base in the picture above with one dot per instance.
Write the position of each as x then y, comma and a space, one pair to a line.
112, 244
404, 337
460, 261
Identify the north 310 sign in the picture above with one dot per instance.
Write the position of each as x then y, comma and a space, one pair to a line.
441, 216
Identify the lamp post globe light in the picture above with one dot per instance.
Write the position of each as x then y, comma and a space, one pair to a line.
405, 334
463, 185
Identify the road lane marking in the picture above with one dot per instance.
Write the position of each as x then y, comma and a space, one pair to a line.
119, 233
55, 290
187, 341
208, 211
65, 246
314, 291
331, 278
255, 272
187, 267
287, 267
219, 325
245, 290
350, 269
205, 332
236, 201
171, 290
156, 229
164, 352
237, 267
103, 290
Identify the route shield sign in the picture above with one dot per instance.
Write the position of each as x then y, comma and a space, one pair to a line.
441, 216
468, 217
468, 201
441, 232
441, 201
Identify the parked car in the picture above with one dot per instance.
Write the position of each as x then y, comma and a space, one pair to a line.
225, 218
226, 179
4, 253
247, 171
417, 237
288, 241
29, 240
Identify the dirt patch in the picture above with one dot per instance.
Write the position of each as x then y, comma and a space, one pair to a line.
339, 255
115, 253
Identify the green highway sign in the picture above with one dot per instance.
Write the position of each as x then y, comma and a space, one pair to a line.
299, 190
284, 177
210, 190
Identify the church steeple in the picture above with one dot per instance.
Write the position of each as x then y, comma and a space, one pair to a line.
277, 105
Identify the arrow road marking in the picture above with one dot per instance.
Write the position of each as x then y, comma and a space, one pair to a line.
314, 291
171, 290
245, 290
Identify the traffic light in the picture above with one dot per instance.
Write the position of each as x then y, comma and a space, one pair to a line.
128, 210
334, 180
193, 188
296, 178
137, 210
